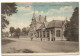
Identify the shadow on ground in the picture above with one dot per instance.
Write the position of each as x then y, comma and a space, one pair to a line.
13, 50
6, 41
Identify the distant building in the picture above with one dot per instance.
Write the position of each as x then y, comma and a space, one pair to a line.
53, 30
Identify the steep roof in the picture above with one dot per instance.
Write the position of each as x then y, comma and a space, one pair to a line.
53, 23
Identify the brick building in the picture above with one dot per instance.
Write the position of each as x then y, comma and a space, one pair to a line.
53, 30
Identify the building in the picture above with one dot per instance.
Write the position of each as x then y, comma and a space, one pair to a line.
53, 30
35, 24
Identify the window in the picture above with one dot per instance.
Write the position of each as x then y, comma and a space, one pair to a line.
38, 34
51, 31
57, 33
47, 33
43, 33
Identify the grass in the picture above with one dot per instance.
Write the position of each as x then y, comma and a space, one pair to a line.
6, 41
27, 46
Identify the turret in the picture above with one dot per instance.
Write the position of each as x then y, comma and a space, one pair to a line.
39, 17
33, 18
45, 19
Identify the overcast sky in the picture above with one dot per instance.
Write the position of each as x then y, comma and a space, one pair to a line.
53, 11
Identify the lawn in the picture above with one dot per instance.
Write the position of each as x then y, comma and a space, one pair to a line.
5, 41
25, 45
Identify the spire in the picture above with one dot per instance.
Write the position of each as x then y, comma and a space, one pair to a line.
45, 19
39, 17
33, 15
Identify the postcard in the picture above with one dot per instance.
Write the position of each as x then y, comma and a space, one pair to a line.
40, 28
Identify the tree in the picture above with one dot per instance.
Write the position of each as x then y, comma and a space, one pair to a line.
4, 22
27, 30
12, 30
67, 32
7, 9
72, 27
17, 32
24, 31
75, 25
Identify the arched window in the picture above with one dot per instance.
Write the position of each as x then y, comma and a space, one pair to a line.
57, 33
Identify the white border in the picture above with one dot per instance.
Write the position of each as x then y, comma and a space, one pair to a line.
36, 1
39, 0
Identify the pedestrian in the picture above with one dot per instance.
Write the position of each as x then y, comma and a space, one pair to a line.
48, 39
54, 38
31, 37
41, 38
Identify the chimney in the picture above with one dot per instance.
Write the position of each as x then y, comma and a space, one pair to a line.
39, 17
45, 19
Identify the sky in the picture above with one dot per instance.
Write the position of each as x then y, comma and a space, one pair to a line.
53, 11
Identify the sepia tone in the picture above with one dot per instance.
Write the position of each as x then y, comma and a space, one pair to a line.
41, 35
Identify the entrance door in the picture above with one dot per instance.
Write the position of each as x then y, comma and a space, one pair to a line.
52, 35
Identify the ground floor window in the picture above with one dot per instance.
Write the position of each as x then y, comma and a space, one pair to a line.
57, 33
38, 34
43, 33
51, 31
47, 33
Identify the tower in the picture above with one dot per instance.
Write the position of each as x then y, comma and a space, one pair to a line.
33, 24
33, 18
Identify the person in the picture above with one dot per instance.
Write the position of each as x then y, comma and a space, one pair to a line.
41, 38
31, 37
48, 39
54, 38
